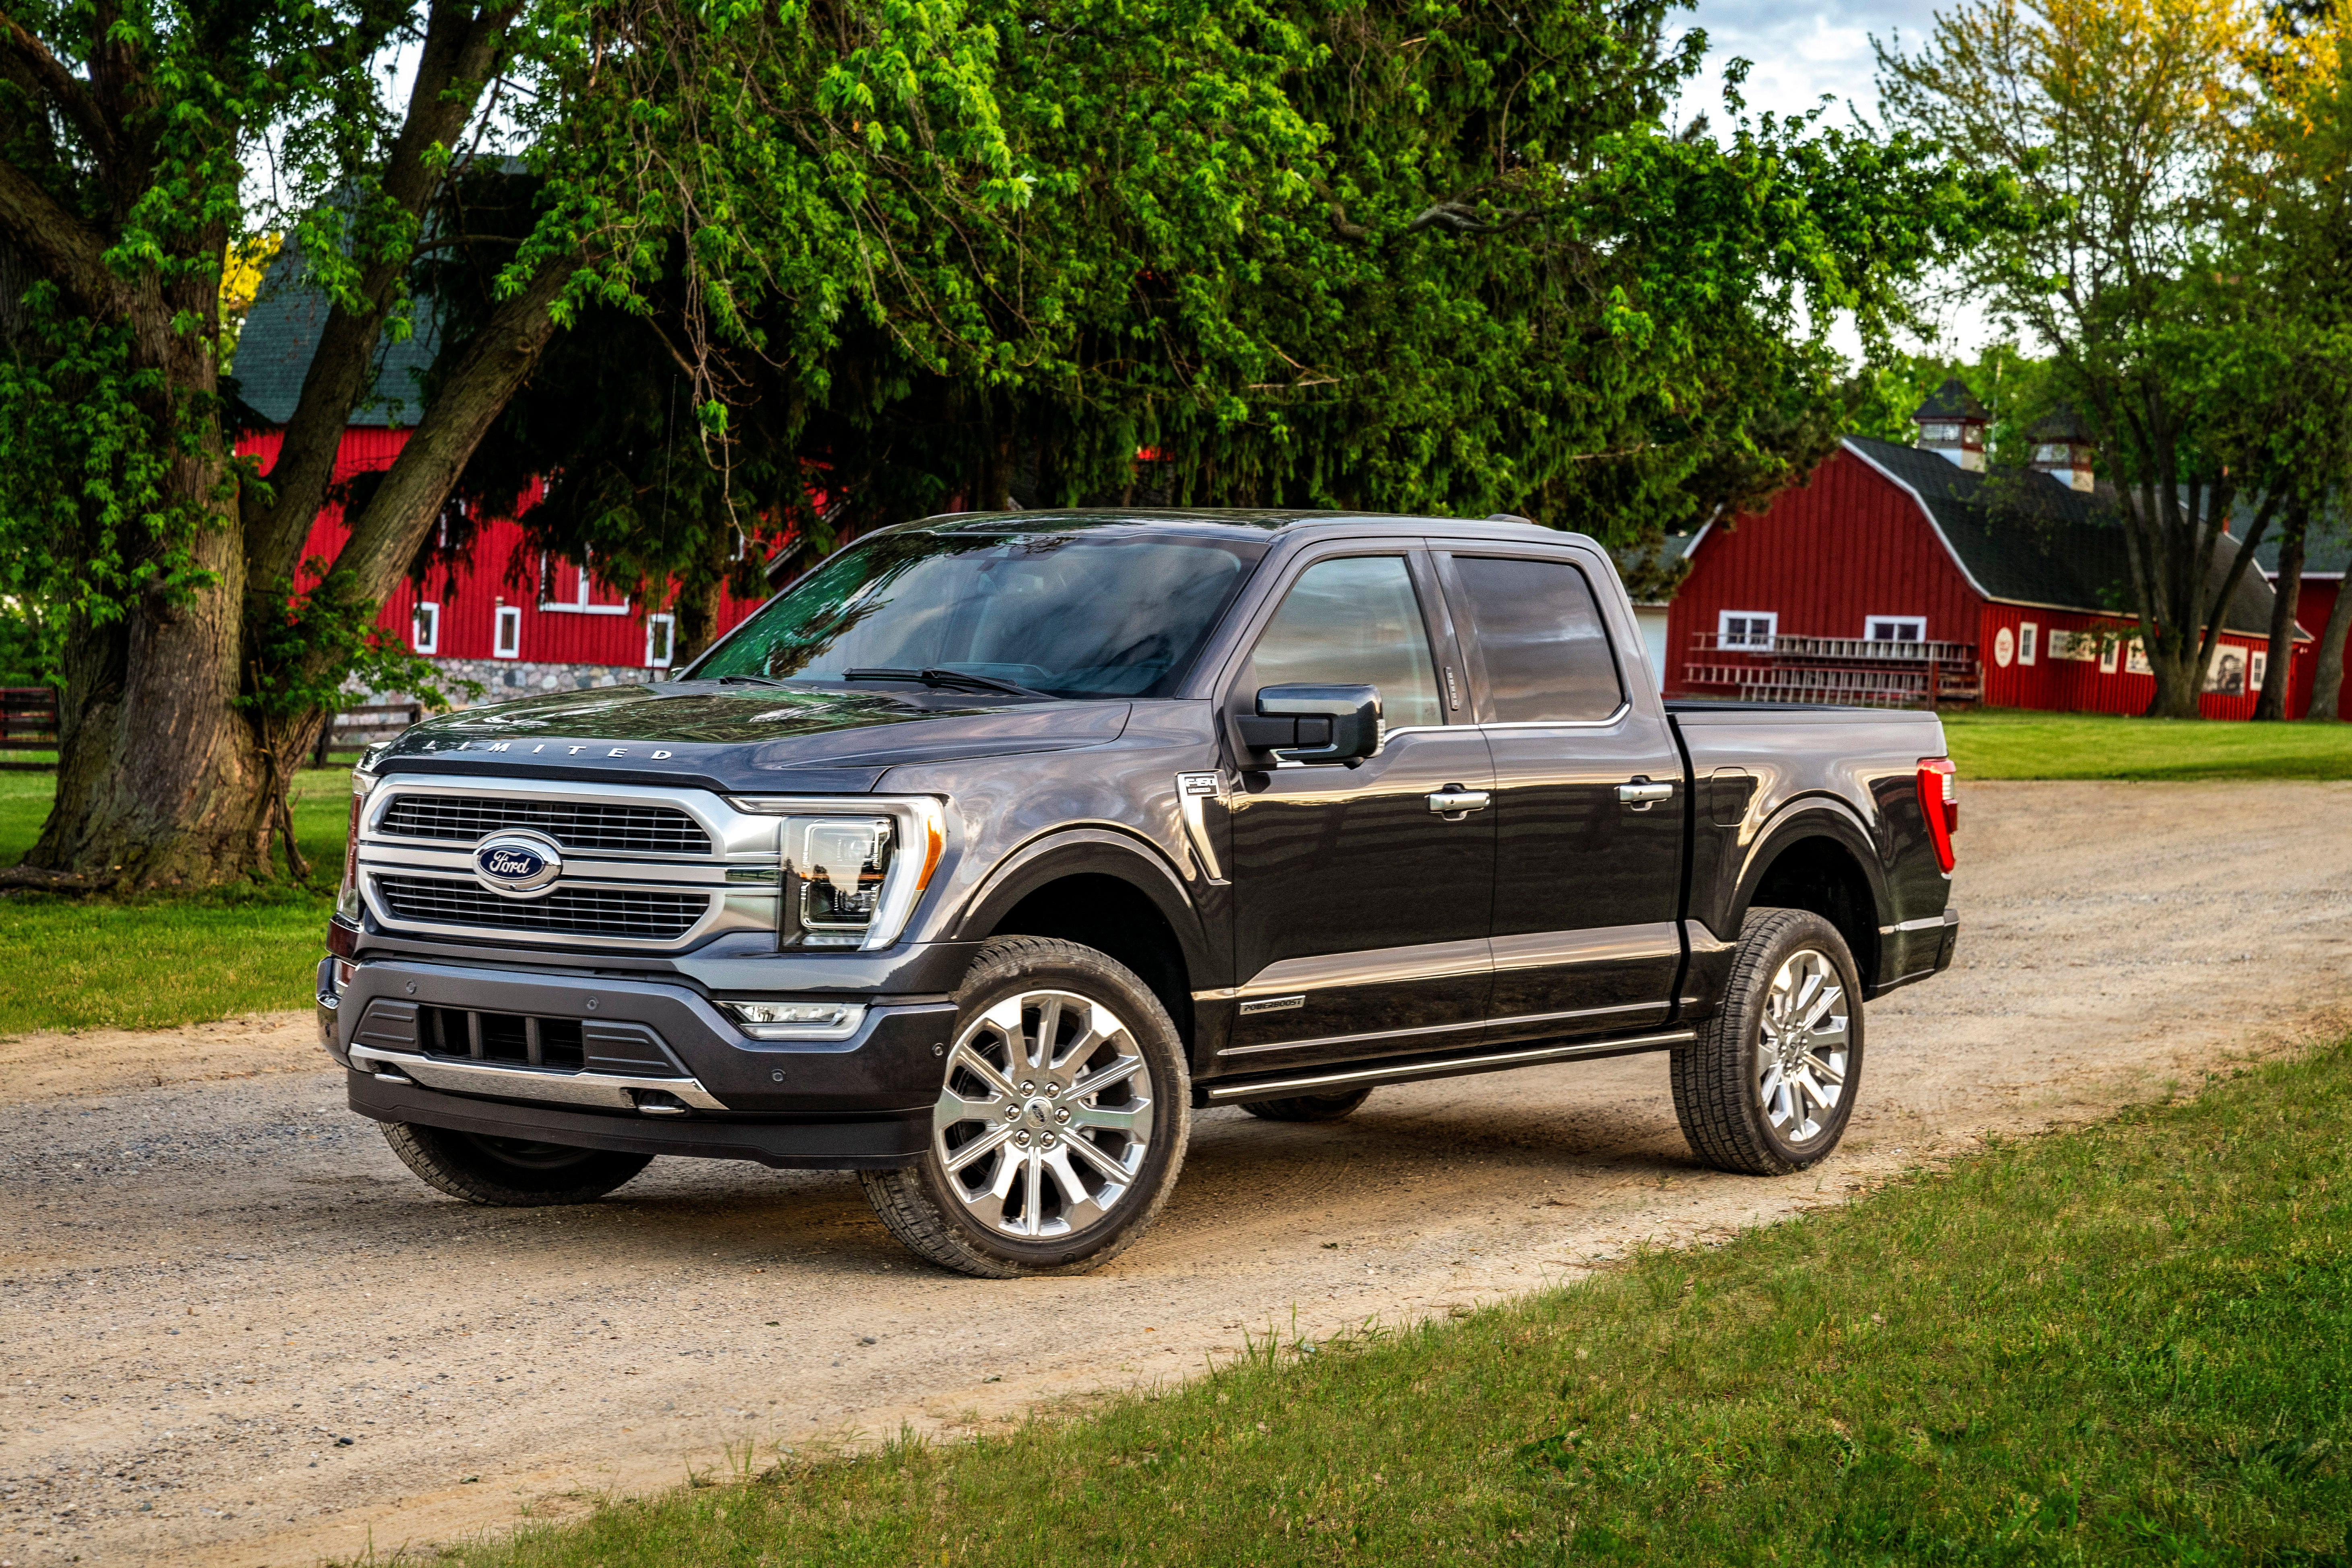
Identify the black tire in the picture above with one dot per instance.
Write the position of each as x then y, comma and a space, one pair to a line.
1736, 1113
1309, 1107
945, 1216
508, 1173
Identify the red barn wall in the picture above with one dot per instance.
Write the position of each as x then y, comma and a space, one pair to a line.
2081, 686
2313, 606
500, 569
1848, 546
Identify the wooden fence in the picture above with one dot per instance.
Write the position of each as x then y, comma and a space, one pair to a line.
356, 728
28, 722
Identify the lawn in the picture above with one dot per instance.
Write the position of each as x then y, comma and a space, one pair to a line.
155, 960
2018, 743
2127, 1344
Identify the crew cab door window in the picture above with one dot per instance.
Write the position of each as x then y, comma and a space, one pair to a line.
1360, 912
1353, 621
1587, 881
1539, 626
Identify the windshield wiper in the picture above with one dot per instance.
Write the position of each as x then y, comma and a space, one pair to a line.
748, 679
950, 678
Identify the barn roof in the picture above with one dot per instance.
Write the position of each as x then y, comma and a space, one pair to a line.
281, 333
2324, 554
2021, 538
1953, 400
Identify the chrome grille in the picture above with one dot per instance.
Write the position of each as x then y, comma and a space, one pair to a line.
618, 912
573, 824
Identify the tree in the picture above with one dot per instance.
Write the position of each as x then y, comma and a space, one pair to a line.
2148, 274
133, 138
1374, 255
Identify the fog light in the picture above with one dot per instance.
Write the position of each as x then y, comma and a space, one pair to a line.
797, 1020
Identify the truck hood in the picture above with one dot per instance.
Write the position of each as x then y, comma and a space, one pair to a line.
727, 736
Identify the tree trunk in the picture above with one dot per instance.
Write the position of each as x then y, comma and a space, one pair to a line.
2328, 679
2279, 675
160, 781
697, 626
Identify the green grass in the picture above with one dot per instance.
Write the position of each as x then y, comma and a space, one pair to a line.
2018, 743
151, 961
2127, 1344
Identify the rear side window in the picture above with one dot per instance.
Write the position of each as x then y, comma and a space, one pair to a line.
1355, 621
1538, 626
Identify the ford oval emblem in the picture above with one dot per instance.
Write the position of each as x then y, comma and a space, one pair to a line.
511, 863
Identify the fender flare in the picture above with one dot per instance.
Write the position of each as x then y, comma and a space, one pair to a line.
1812, 816
1090, 851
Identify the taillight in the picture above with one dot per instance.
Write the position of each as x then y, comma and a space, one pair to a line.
347, 897
1939, 805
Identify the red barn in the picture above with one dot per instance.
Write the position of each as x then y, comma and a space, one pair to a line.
2323, 579
512, 618
1897, 566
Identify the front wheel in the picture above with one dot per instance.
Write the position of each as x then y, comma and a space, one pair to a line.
1768, 1086
508, 1173
1061, 1121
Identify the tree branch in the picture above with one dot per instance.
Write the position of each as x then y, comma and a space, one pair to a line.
69, 253
69, 92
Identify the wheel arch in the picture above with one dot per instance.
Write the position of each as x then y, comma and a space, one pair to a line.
1817, 855
1104, 891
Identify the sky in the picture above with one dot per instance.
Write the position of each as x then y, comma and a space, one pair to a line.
1803, 50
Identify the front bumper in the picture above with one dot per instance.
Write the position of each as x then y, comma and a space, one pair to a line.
661, 1070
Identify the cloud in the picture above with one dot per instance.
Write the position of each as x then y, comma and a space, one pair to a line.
1801, 52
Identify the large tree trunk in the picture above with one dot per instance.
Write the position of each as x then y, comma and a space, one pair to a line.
160, 781
2279, 675
2328, 679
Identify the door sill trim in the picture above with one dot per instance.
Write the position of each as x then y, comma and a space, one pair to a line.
1449, 1067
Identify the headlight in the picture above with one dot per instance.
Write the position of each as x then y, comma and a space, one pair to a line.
797, 1020
851, 877
347, 896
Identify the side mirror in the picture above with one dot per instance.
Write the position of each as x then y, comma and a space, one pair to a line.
1316, 723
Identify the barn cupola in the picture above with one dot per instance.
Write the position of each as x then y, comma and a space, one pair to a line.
2062, 447
1952, 423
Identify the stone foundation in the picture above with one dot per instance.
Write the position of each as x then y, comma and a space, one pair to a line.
503, 679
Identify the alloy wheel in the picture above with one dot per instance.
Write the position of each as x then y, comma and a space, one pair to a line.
1045, 1117
1801, 1057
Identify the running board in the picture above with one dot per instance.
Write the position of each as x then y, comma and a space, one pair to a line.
1447, 1066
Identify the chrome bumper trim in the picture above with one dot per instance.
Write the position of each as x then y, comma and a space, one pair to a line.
610, 1091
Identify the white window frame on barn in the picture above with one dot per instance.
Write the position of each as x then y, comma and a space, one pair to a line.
1900, 628
1745, 636
579, 605
425, 628
665, 644
2029, 641
506, 632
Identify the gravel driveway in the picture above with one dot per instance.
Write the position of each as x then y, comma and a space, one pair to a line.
235, 1330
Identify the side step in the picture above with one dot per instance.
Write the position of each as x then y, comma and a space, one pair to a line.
1438, 1067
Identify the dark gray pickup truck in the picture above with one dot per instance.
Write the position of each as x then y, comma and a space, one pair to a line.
997, 844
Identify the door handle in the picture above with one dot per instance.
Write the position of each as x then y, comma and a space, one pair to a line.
1641, 793
1453, 801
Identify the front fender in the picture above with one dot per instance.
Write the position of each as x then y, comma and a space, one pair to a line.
1093, 851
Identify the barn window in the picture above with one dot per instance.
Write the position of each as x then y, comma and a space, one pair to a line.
508, 642
424, 629
2029, 641
661, 636
1895, 628
1746, 628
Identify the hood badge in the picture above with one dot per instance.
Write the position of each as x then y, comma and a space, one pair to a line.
518, 865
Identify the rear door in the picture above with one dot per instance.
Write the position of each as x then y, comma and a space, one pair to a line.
1361, 910
1589, 807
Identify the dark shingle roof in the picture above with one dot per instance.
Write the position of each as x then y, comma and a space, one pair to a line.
2325, 554
1953, 400
2061, 423
2024, 539
281, 332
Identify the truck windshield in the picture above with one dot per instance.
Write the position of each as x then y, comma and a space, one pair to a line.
1097, 613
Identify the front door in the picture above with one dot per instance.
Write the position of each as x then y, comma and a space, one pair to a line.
1362, 894
1589, 798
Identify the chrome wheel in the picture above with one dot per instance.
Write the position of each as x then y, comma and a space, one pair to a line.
1802, 1056
1045, 1120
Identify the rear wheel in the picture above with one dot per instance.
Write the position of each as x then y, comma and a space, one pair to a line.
1770, 1084
1309, 1107
508, 1173
1061, 1121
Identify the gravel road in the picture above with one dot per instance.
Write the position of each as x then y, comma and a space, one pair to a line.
233, 1330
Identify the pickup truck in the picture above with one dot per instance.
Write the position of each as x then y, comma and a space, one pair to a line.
996, 846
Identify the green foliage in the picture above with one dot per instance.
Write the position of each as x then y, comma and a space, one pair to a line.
2126, 1344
